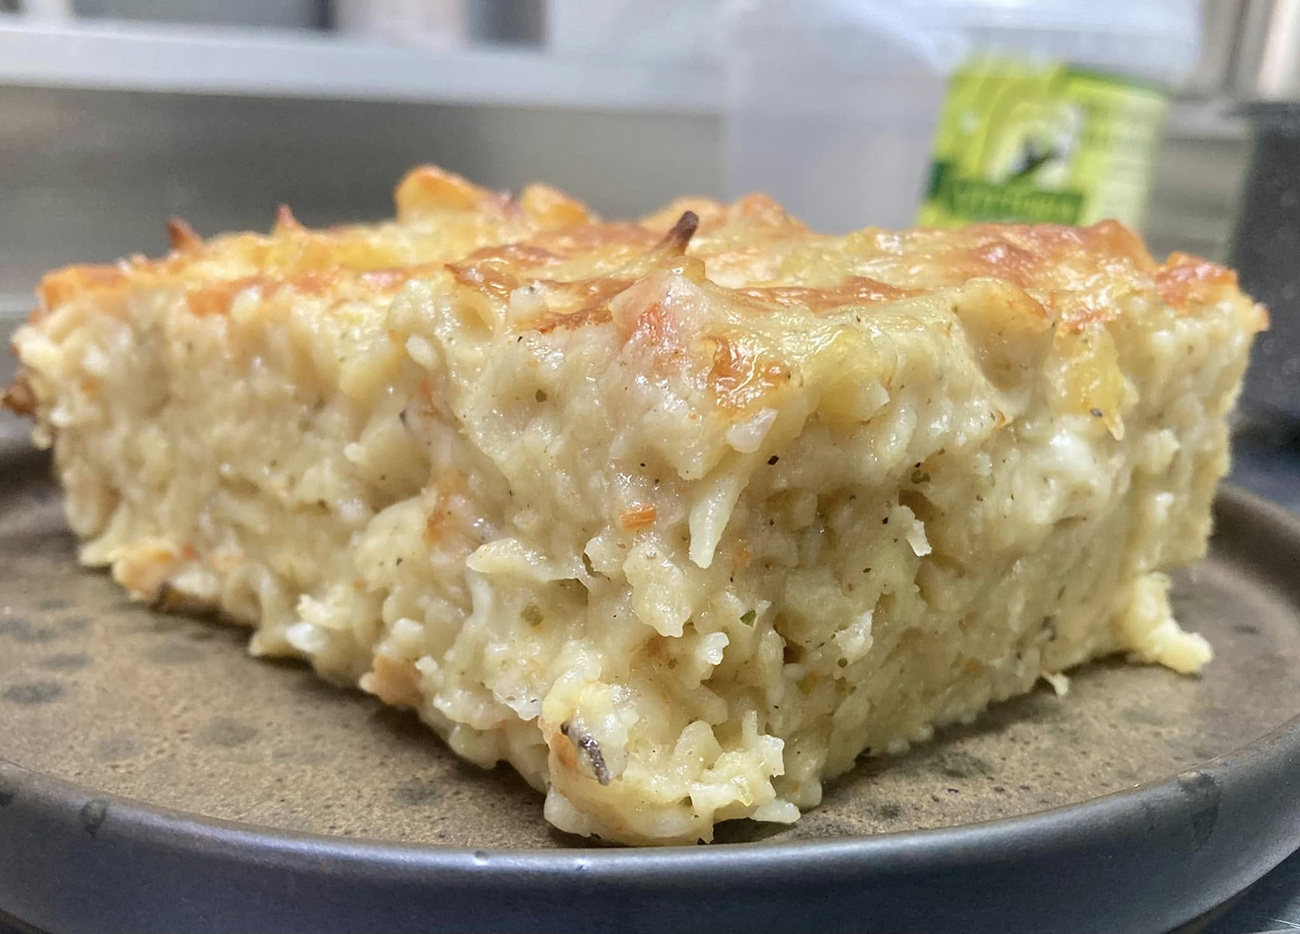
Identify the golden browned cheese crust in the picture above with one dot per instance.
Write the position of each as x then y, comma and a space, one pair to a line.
440, 216
1080, 273
677, 516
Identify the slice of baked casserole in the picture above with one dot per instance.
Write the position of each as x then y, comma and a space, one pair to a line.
678, 517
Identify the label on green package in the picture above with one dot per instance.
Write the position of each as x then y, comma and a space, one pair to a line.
1022, 142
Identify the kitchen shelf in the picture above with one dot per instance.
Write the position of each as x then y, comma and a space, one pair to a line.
265, 62
299, 63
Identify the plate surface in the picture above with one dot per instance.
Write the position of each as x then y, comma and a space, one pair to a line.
1136, 803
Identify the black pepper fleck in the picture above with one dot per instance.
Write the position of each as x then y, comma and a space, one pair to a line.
587, 743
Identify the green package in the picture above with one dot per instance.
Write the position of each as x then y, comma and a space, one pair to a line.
1024, 142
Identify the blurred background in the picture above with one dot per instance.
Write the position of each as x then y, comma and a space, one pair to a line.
117, 113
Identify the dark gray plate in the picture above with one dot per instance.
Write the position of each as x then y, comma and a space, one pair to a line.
152, 777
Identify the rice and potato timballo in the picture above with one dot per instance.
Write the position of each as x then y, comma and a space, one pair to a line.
678, 517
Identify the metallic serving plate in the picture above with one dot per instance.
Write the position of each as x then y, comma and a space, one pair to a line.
153, 777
